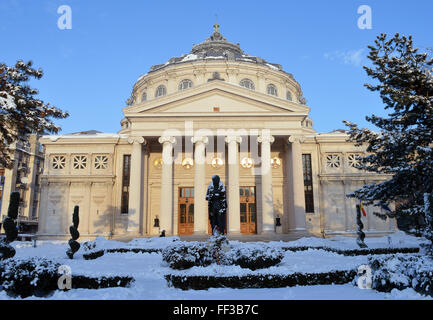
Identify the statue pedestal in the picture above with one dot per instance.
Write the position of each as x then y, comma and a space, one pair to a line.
279, 229
155, 231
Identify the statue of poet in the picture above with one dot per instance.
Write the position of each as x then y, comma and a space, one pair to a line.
217, 205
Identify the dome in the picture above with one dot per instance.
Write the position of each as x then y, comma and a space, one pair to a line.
217, 47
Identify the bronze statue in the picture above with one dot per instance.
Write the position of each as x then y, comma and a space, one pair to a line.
217, 205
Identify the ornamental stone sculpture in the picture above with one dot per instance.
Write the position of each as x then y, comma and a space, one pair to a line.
73, 243
10, 226
360, 233
217, 205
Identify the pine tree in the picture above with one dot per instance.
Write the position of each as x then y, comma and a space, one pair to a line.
402, 147
20, 112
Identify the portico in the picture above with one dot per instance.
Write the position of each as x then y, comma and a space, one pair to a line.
201, 161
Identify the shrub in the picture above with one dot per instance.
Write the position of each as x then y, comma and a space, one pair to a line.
27, 277
356, 252
260, 280
400, 272
218, 250
93, 255
186, 256
39, 277
254, 257
73, 243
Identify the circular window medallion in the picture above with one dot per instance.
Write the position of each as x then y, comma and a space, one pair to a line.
187, 163
217, 163
275, 162
247, 163
158, 163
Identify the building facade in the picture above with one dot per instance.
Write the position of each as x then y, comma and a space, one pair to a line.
24, 177
216, 110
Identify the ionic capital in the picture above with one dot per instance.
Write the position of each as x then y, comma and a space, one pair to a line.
296, 139
136, 139
237, 139
202, 139
265, 139
167, 139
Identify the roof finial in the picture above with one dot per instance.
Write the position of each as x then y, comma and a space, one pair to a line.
216, 25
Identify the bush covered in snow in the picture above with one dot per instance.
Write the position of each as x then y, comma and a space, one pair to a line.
203, 282
100, 246
27, 277
254, 257
184, 256
218, 250
401, 272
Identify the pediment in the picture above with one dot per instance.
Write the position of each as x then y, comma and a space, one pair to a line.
222, 98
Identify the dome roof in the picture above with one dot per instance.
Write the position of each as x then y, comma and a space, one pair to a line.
218, 48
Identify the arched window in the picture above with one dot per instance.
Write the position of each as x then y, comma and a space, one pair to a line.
272, 90
289, 96
144, 97
247, 83
160, 91
185, 84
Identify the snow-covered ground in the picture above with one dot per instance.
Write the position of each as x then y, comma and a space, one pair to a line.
148, 270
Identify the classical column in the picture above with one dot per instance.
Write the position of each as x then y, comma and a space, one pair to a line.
233, 198
200, 204
166, 207
145, 222
296, 185
267, 195
135, 184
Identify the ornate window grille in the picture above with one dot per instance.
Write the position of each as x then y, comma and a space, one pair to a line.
59, 162
79, 162
354, 160
101, 162
333, 161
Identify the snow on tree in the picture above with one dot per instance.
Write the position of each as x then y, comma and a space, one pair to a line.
428, 232
20, 112
402, 147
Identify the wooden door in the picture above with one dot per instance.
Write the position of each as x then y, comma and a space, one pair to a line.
186, 211
248, 210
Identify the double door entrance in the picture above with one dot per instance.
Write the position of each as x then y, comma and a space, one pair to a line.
248, 219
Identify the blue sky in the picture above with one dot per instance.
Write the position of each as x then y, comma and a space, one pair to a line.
90, 69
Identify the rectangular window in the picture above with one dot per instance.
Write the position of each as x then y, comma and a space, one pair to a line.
308, 183
126, 171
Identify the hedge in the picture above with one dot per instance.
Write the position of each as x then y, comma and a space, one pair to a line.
39, 277
96, 254
356, 252
260, 281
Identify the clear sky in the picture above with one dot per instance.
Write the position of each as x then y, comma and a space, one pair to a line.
90, 69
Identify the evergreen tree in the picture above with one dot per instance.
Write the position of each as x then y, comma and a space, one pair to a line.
20, 112
402, 147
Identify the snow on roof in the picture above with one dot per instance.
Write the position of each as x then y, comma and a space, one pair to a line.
81, 136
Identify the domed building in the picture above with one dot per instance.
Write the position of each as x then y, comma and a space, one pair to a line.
214, 111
